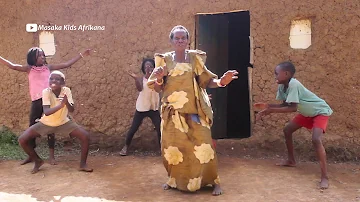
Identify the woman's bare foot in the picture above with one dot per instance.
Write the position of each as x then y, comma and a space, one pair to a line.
123, 152
52, 161
27, 160
84, 168
38, 164
217, 190
287, 163
166, 186
324, 183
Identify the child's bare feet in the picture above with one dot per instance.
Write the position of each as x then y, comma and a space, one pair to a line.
84, 168
38, 164
287, 163
324, 183
123, 152
27, 160
52, 161
217, 190
166, 186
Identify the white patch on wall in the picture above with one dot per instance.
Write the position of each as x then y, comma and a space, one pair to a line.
47, 43
300, 34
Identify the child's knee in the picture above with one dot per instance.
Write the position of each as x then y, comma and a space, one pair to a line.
287, 131
85, 136
22, 139
316, 140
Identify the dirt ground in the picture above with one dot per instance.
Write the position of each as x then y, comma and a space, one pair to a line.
139, 178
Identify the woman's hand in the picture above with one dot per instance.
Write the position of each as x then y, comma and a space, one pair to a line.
228, 77
159, 72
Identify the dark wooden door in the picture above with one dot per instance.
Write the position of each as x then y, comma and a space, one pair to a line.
225, 39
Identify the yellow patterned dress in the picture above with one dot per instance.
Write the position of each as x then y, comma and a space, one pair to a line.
186, 116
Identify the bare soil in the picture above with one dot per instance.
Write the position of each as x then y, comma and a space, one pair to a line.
139, 178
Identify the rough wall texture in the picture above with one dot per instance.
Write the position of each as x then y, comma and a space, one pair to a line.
105, 95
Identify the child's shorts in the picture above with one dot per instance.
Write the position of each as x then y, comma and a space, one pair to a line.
319, 121
64, 129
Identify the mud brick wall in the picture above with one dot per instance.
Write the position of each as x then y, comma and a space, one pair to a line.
105, 95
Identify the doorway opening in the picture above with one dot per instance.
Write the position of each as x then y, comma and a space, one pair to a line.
225, 37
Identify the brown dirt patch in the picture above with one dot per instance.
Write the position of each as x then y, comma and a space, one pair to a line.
139, 178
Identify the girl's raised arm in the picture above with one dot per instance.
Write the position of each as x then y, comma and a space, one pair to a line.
17, 67
70, 62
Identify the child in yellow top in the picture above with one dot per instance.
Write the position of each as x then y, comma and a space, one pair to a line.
57, 102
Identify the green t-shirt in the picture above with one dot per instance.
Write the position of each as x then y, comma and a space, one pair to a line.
309, 104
